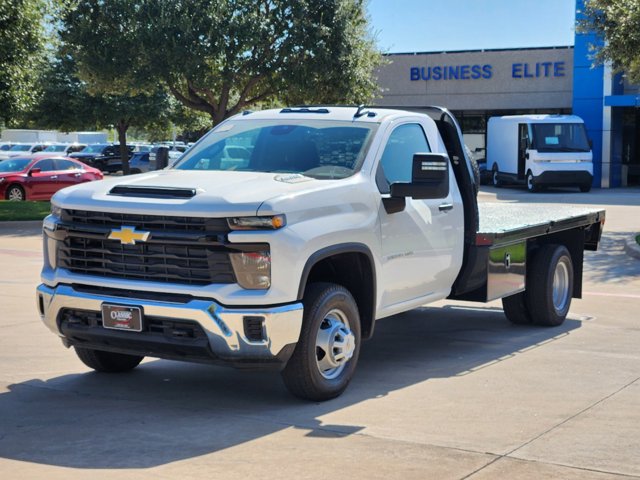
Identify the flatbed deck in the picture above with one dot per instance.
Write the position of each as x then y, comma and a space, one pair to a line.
503, 223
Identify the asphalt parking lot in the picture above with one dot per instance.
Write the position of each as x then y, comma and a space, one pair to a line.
446, 391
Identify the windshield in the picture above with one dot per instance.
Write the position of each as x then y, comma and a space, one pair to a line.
93, 149
319, 149
20, 148
14, 165
560, 137
55, 148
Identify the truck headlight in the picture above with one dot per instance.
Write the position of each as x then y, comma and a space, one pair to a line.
273, 222
252, 269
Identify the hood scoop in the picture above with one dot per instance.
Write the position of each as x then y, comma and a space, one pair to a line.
152, 192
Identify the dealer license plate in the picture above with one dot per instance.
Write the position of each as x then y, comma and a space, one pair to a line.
119, 317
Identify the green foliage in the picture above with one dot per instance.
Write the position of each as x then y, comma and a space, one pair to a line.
618, 23
222, 56
19, 211
22, 38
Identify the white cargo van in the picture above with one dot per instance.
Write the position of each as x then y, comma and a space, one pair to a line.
540, 151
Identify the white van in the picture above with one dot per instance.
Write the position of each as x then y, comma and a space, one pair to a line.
540, 151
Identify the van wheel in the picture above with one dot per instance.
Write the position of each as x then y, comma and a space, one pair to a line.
108, 362
550, 286
585, 188
494, 176
326, 355
531, 186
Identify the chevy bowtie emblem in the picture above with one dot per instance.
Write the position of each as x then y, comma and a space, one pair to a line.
128, 235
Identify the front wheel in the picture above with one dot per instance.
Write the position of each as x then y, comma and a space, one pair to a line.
326, 355
15, 193
107, 361
585, 188
531, 186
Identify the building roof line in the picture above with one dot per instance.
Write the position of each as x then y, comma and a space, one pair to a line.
565, 47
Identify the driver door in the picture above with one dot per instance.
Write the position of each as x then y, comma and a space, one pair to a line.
420, 242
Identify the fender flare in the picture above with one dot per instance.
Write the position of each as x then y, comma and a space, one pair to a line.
331, 251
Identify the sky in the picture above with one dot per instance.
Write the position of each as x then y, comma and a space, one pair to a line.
450, 25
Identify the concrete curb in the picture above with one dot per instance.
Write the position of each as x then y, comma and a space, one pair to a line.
632, 248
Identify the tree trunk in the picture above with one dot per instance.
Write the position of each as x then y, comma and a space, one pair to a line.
122, 128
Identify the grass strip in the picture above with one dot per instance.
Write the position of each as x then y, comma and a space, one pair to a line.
22, 211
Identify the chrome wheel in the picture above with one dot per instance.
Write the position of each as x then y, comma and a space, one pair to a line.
15, 194
335, 344
561, 286
494, 177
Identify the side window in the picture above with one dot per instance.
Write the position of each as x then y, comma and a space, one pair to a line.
395, 164
66, 165
46, 165
37, 148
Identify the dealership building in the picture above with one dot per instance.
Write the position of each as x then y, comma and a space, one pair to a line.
479, 84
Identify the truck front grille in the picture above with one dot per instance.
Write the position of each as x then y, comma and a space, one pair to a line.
182, 250
156, 223
188, 264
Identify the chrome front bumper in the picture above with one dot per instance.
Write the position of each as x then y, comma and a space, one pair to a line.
224, 327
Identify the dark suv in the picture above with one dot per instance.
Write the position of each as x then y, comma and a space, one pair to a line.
104, 156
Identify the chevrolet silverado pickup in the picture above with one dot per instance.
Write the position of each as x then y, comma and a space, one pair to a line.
282, 236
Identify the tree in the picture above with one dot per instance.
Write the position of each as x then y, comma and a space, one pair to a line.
68, 104
222, 56
618, 23
22, 38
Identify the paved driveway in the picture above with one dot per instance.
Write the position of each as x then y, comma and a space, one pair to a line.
446, 391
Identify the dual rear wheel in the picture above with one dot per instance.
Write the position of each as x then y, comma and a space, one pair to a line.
547, 298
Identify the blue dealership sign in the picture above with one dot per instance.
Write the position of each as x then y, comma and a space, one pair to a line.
485, 72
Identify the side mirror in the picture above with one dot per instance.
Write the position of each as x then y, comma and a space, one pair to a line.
34, 170
429, 178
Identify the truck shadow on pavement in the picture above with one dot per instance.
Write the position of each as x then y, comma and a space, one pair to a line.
169, 411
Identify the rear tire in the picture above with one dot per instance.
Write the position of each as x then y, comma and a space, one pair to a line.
494, 176
108, 362
326, 354
585, 188
515, 309
550, 286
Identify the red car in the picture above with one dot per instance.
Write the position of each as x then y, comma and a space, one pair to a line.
39, 178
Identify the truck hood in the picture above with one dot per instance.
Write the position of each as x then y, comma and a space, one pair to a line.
218, 193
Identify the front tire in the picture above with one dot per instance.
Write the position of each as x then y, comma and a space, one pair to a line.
585, 188
531, 186
15, 193
108, 362
326, 355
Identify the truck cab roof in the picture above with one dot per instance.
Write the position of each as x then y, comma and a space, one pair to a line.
329, 112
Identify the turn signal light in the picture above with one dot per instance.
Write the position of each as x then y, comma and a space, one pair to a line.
257, 223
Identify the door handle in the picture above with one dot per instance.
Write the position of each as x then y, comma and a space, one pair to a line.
445, 207
77, 174
53, 177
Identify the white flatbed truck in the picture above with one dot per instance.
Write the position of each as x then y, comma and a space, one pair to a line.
285, 257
